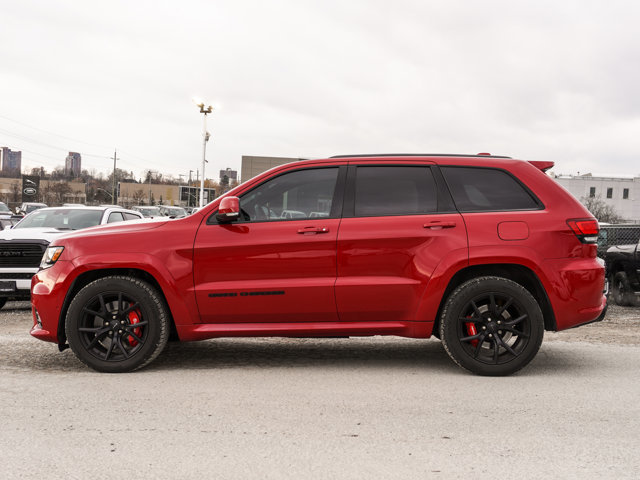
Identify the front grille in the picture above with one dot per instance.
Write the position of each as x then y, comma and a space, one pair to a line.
21, 254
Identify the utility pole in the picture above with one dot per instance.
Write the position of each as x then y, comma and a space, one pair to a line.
113, 191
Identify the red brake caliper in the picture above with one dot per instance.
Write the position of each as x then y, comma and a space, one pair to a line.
133, 319
472, 330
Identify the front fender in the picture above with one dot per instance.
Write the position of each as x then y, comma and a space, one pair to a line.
173, 274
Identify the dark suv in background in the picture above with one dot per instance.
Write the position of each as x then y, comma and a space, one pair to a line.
484, 252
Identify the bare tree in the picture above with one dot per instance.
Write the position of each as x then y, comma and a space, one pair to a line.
139, 196
604, 213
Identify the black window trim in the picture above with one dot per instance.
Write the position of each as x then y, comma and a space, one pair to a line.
538, 202
336, 202
442, 193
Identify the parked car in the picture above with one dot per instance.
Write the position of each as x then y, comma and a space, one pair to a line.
22, 247
28, 207
5, 212
613, 235
147, 211
623, 271
172, 212
483, 252
8, 222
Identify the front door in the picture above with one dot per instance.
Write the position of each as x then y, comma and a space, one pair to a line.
278, 262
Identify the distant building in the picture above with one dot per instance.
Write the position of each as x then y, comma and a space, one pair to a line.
73, 164
252, 166
227, 176
622, 193
11, 162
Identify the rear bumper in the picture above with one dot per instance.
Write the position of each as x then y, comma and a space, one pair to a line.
575, 287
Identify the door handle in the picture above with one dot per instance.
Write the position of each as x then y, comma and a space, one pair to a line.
436, 225
313, 230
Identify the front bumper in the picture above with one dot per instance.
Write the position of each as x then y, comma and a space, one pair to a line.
48, 291
16, 282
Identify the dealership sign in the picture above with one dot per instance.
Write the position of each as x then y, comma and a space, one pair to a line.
30, 188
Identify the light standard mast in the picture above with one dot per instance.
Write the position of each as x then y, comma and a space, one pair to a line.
205, 138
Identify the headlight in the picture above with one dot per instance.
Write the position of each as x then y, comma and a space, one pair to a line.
51, 256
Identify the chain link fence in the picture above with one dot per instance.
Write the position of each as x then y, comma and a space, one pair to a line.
612, 235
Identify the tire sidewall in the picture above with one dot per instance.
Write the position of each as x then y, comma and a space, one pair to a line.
620, 297
460, 298
150, 306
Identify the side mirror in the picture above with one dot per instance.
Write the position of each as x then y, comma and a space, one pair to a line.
228, 210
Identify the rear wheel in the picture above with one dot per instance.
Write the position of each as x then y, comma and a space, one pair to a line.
621, 289
491, 326
117, 324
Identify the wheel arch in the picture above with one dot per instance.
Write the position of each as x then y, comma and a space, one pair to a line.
517, 273
86, 278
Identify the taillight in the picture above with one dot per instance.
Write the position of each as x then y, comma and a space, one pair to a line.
586, 229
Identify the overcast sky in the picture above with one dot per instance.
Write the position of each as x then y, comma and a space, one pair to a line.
537, 80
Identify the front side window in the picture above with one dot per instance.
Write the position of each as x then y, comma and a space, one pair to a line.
477, 189
394, 190
292, 196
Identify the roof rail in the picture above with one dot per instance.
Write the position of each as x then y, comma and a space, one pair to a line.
361, 155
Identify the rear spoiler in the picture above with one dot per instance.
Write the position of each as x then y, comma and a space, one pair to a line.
543, 166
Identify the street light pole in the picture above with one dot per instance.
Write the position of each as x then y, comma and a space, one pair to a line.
205, 138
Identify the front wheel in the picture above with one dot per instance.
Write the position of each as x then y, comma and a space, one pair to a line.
491, 326
117, 324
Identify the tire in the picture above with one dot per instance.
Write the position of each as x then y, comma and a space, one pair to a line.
491, 326
3, 301
621, 289
117, 324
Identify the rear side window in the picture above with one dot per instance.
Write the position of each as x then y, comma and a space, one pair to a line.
115, 217
394, 190
487, 189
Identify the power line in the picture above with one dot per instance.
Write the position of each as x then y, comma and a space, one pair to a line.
51, 133
67, 138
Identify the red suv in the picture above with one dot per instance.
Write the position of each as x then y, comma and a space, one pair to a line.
484, 252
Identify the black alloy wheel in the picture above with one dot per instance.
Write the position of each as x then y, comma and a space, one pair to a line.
491, 326
117, 324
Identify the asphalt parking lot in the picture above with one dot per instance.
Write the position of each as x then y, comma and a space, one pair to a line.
335, 408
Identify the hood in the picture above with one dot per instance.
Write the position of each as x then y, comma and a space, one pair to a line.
131, 226
47, 234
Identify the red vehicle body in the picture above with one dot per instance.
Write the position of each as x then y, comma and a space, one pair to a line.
239, 267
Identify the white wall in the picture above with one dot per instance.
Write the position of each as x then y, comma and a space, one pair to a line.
628, 209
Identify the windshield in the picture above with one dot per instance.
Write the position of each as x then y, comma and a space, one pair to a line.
175, 212
149, 212
31, 208
62, 219
4, 208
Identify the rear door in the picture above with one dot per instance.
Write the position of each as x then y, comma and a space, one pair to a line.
399, 224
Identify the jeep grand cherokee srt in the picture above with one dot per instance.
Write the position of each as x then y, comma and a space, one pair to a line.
484, 252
